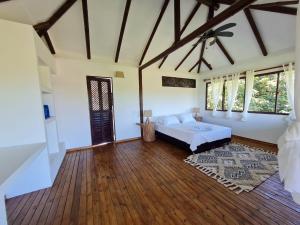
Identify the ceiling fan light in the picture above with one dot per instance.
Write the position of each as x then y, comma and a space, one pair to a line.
211, 40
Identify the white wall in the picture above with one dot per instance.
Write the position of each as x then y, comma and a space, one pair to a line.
21, 114
263, 127
168, 100
71, 100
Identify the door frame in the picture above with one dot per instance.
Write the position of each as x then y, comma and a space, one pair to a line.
113, 110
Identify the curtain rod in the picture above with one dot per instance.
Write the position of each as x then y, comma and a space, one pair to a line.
244, 72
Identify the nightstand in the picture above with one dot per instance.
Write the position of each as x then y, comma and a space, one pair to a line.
148, 131
198, 118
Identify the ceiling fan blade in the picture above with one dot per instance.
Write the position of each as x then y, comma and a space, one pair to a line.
224, 27
225, 34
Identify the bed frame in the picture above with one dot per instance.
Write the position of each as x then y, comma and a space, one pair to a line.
201, 148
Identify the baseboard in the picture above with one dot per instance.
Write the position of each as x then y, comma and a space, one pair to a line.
127, 140
253, 140
71, 150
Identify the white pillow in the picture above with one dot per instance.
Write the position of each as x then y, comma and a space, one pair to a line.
170, 120
158, 120
186, 118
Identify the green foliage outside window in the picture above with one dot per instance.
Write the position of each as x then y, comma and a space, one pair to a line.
265, 94
282, 100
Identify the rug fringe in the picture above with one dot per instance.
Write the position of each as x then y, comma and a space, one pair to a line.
226, 183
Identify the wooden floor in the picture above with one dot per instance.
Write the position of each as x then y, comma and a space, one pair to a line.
138, 183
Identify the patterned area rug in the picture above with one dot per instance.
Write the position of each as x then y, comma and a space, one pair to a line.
238, 167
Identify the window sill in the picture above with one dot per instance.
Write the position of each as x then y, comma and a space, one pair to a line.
270, 113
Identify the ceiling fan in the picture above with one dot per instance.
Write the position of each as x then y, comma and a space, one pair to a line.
211, 35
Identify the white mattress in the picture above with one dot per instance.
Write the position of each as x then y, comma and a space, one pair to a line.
195, 133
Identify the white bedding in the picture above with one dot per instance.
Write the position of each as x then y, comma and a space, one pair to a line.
195, 133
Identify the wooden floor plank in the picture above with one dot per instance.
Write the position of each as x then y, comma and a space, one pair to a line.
18, 209
64, 216
74, 215
148, 183
60, 201
152, 201
83, 193
33, 207
12, 204
51, 204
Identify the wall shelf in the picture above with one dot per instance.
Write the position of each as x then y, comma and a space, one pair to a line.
50, 119
46, 91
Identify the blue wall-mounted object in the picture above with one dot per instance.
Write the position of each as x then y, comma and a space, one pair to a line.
46, 111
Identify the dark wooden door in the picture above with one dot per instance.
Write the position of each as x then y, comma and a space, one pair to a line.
101, 109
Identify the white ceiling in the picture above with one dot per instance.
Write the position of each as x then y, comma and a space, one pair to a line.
105, 17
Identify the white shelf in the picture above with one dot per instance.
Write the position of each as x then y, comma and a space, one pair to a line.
47, 91
50, 119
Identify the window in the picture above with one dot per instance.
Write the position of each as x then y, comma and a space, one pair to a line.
282, 100
209, 100
222, 105
264, 93
269, 95
239, 102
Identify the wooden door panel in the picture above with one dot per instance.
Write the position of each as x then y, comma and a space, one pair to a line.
101, 106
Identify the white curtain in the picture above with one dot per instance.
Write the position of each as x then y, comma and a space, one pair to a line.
232, 89
248, 94
217, 88
289, 73
289, 159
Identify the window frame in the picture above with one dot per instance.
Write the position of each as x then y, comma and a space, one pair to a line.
256, 112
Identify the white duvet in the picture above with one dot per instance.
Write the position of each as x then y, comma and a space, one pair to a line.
195, 133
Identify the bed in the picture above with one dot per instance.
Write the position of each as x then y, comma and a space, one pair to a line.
195, 136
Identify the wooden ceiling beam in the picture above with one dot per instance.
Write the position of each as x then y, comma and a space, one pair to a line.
276, 9
187, 22
226, 2
177, 20
186, 56
207, 64
227, 13
190, 17
225, 52
198, 62
162, 12
283, 3
194, 66
209, 3
86, 28
60, 12
124, 21
49, 43
209, 17
45, 26
255, 31
201, 56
